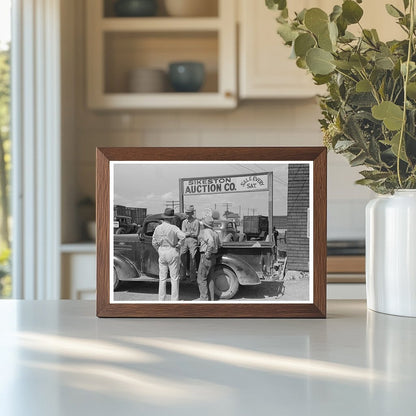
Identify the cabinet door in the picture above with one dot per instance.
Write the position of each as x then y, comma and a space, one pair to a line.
265, 68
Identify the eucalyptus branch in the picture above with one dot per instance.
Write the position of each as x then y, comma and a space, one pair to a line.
346, 75
392, 91
373, 88
398, 95
406, 80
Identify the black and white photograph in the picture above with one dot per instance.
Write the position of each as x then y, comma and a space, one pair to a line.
211, 232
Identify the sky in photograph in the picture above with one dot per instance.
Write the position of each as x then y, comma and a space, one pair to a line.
152, 186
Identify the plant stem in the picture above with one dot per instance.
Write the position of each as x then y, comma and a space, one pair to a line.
405, 81
373, 88
346, 75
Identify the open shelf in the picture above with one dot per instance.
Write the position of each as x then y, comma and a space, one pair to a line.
160, 24
209, 9
116, 46
127, 51
167, 100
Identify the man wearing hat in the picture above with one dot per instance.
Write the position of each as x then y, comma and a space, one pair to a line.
167, 240
209, 245
190, 226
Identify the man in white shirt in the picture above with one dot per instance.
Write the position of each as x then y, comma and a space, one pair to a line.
167, 240
190, 226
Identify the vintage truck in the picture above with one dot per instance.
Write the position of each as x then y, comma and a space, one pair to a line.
238, 263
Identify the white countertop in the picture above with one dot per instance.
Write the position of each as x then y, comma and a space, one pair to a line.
57, 358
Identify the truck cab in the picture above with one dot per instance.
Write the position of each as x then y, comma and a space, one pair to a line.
227, 231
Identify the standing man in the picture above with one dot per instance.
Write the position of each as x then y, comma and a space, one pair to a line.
209, 246
190, 227
167, 240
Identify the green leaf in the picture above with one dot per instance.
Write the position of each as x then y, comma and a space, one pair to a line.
301, 15
301, 63
303, 43
351, 11
382, 89
336, 12
343, 145
368, 36
363, 86
358, 61
325, 42
396, 70
362, 99
354, 132
319, 61
411, 90
316, 20
365, 182
347, 37
394, 145
388, 112
321, 79
374, 174
374, 150
344, 65
384, 62
412, 67
276, 4
375, 35
287, 33
342, 25
358, 160
333, 32
393, 11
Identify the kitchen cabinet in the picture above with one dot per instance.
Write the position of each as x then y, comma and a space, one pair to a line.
78, 263
118, 45
265, 70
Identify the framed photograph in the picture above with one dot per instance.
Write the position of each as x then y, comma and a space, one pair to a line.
211, 232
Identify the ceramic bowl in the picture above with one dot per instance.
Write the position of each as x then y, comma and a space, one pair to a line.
191, 8
147, 80
186, 76
135, 8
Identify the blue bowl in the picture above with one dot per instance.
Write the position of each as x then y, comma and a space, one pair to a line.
186, 76
135, 8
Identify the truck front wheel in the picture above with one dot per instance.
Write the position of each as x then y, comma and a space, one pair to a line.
225, 282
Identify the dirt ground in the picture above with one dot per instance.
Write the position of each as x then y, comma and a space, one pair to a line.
295, 290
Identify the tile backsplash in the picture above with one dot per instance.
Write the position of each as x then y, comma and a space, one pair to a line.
257, 123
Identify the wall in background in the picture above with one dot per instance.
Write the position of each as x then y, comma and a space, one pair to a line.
254, 123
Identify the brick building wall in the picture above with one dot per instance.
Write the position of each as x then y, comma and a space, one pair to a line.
297, 217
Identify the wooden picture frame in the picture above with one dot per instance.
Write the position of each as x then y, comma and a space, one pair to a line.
314, 157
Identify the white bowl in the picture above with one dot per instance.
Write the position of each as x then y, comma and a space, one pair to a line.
147, 80
191, 8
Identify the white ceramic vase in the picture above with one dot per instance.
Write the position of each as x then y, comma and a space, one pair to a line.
391, 253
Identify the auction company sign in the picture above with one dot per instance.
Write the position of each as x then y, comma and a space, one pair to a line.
226, 184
